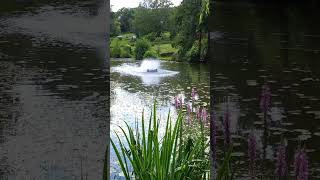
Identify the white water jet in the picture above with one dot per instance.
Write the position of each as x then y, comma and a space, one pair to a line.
141, 71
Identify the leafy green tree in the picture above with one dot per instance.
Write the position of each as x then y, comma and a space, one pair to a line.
126, 19
155, 4
152, 16
142, 46
187, 24
114, 25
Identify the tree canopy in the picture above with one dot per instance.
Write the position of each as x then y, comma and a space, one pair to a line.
186, 24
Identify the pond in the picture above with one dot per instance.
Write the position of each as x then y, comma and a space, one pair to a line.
53, 90
278, 44
133, 89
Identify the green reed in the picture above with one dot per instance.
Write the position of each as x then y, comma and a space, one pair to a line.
176, 155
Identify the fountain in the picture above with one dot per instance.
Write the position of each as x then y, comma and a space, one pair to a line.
149, 71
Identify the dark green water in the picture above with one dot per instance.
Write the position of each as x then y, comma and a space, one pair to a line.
53, 90
278, 44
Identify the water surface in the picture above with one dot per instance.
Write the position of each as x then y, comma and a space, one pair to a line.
53, 90
278, 44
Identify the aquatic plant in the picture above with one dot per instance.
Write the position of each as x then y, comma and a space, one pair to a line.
176, 102
281, 164
226, 126
301, 170
213, 143
193, 93
252, 154
181, 101
265, 99
175, 155
204, 115
198, 113
224, 172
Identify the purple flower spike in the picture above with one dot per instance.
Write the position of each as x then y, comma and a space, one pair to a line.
199, 113
281, 166
180, 101
176, 102
265, 100
301, 165
252, 153
226, 126
204, 115
193, 93
213, 140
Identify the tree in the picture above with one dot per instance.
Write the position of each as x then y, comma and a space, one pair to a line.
126, 19
114, 25
148, 20
203, 25
187, 25
155, 4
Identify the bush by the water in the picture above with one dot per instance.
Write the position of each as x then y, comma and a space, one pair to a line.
120, 48
150, 54
126, 51
115, 49
141, 47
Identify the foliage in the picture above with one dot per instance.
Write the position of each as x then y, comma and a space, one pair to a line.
169, 157
224, 172
148, 20
159, 22
125, 52
115, 49
141, 46
193, 53
114, 25
150, 54
151, 36
126, 16
155, 4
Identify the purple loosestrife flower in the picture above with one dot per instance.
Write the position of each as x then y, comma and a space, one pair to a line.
204, 115
213, 140
226, 126
265, 100
199, 113
181, 101
252, 153
301, 165
281, 166
193, 93
176, 102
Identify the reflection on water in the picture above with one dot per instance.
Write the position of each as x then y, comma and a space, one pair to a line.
274, 44
53, 92
149, 71
133, 90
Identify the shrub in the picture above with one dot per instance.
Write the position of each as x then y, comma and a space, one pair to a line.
165, 36
150, 54
115, 49
141, 47
192, 54
151, 36
126, 51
